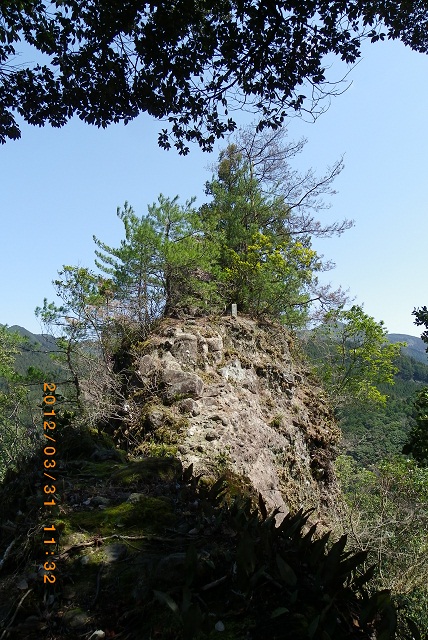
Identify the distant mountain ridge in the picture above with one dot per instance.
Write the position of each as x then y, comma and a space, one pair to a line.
415, 349
36, 353
46, 342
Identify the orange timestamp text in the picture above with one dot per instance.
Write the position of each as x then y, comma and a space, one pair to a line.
49, 464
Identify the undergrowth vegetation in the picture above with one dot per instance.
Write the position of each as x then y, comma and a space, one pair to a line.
149, 550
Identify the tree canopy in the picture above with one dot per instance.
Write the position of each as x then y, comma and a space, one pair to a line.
353, 356
421, 315
249, 244
164, 262
417, 443
187, 63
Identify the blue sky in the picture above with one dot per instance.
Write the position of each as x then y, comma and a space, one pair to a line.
59, 187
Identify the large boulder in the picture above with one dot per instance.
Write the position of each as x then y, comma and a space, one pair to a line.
181, 384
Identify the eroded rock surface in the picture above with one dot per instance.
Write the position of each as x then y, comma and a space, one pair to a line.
248, 405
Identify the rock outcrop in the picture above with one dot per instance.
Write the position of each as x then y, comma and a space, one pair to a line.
238, 399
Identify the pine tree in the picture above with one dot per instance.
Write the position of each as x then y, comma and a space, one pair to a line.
134, 268
264, 269
165, 263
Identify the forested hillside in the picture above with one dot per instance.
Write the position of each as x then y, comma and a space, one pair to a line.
415, 347
372, 433
35, 351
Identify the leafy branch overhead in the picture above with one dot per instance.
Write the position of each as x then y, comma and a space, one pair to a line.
188, 64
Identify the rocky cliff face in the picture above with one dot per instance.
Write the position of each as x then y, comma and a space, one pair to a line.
229, 394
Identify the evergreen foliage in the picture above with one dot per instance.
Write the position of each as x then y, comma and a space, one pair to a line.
262, 267
250, 244
162, 264
9, 347
421, 316
86, 339
373, 432
417, 443
410, 369
34, 354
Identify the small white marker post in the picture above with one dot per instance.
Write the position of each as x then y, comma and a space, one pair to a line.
234, 310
